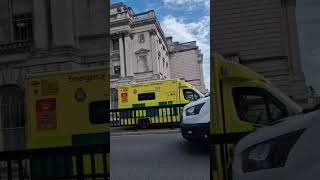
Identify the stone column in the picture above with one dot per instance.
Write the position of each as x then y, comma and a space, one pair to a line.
154, 53
128, 55
40, 24
200, 62
62, 23
122, 55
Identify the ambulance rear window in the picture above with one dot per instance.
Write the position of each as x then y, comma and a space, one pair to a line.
98, 112
146, 96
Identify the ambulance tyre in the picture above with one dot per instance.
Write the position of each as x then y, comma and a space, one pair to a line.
144, 123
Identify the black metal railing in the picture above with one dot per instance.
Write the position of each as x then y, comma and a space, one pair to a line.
221, 153
153, 115
15, 47
72, 162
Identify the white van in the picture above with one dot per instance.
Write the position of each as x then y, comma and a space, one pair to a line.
287, 150
196, 120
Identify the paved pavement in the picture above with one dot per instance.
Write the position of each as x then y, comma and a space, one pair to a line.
157, 156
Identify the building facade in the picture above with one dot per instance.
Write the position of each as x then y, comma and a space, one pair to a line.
263, 36
138, 47
39, 36
186, 62
141, 52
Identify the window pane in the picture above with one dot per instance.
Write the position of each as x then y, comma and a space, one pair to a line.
142, 63
277, 110
257, 111
196, 96
250, 105
188, 94
115, 44
117, 70
98, 112
146, 96
141, 38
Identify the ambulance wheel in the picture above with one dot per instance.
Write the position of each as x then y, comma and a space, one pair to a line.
144, 123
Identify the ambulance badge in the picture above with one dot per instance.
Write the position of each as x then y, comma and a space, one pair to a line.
80, 95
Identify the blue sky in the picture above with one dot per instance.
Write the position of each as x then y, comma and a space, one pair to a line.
188, 20
184, 20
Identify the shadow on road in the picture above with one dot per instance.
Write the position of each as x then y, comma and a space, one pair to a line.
195, 148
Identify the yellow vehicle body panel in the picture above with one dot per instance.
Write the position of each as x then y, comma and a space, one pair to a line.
223, 112
166, 92
58, 109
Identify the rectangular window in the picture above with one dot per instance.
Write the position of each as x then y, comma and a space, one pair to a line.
117, 70
98, 112
190, 95
146, 96
22, 27
115, 44
142, 63
163, 62
256, 105
141, 38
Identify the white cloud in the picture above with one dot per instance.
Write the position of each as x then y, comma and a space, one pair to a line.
190, 3
198, 31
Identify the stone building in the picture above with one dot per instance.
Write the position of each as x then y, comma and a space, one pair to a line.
41, 36
186, 62
138, 47
263, 36
141, 52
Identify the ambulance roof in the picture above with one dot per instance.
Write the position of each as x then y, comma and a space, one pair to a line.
232, 70
152, 81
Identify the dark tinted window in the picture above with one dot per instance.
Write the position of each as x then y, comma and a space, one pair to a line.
98, 112
258, 106
115, 44
190, 95
146, 96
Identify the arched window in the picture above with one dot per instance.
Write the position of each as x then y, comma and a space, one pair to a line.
12, 118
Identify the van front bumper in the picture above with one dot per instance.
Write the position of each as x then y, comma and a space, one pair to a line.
195, 132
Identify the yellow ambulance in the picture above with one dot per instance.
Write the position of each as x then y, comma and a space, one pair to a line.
154, 94
68, 108
241, 102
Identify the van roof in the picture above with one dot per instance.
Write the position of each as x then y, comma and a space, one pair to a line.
232, 70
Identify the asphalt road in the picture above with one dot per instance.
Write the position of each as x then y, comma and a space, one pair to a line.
158, 157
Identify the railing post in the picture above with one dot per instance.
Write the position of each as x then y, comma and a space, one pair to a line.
135, 120
93, 169
79, 164
9, 169
171, 113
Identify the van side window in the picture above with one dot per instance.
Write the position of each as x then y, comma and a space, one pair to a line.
146, 96
98, 112
258, 106
190, 95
